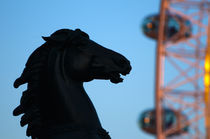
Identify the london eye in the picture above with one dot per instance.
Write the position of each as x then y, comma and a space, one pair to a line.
182, 82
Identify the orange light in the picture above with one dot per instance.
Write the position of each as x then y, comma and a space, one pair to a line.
207, 64
146, 120
207, 67
149, 25
207, 79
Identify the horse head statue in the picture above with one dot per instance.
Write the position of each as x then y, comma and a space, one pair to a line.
55, 104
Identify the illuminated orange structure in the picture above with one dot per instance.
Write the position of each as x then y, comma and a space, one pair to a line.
183, 71
182, 88
207, 84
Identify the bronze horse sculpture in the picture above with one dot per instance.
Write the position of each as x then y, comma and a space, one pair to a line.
55, 104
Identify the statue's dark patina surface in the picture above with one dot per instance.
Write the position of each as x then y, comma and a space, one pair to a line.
55, 104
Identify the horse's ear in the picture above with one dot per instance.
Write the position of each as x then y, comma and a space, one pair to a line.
77, 29
54, 39
65, 34
46, 38
82, 33
58, 36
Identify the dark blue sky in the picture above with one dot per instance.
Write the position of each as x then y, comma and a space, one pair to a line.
114, 24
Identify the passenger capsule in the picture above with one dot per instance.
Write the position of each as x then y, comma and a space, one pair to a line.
147, 121
176, 27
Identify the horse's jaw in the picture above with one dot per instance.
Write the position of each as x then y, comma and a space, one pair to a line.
69, 101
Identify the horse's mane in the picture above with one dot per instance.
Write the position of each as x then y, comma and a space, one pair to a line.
32, 75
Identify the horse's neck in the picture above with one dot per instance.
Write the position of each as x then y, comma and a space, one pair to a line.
69, 101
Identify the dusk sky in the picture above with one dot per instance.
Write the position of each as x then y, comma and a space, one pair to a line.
115, 24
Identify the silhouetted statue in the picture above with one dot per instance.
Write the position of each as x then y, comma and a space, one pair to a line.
55, 104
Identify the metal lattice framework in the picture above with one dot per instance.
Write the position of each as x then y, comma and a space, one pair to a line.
183, 89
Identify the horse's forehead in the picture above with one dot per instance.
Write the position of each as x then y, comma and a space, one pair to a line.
93, 47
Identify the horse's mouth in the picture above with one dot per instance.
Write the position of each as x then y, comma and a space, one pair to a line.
116, 77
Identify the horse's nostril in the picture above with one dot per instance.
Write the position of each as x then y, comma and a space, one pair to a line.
129, 68
121, 62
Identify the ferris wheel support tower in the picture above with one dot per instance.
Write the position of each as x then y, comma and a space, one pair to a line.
207, 83
187, 90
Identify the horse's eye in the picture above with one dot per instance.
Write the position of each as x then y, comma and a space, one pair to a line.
81, 43
81, 46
